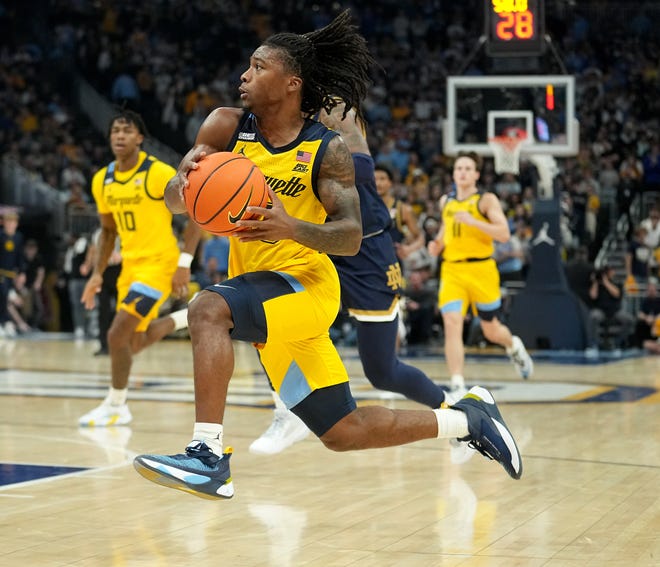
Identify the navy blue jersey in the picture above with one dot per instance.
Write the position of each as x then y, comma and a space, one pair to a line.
370, 280
375, 216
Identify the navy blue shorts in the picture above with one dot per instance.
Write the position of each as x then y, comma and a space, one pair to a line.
371, 280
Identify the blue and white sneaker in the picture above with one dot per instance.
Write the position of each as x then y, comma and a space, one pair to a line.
488, 433
199, 471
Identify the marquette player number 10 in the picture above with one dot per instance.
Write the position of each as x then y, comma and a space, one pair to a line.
514, 27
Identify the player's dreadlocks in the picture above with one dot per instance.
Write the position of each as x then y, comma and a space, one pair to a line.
333, 63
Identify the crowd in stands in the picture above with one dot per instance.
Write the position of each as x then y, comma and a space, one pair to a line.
174, 61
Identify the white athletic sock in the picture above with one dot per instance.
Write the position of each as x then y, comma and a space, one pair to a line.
180, 319
116, 397
209, 433
451, 423
457, 381
279, 404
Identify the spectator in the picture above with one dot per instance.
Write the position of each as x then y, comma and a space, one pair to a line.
651, 167
631, 172
107, 297
11, 263
125, 90
652, 226
395, 155
75, 198
608, 176
613, 324
591, 213
35, 273
509, 257
420, 299
217, 247
648, 316
76, 270
209, 274
19, 307
579, 274
579, 271
71, 174
430, 226
507, 185
637, 259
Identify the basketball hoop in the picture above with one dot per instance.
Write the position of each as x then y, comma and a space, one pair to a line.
506, 150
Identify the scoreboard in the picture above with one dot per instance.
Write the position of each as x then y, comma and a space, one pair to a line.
514, 27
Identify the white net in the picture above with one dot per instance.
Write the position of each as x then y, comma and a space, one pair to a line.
506, 151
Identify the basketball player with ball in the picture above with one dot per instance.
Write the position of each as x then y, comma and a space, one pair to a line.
283, 292
130, 203
370, 290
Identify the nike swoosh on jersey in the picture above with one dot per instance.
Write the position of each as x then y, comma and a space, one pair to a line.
234, 218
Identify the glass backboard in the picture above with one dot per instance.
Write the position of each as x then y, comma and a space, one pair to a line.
479, 108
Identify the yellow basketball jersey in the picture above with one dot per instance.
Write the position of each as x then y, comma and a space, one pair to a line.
291, 172
463, 242
135, 198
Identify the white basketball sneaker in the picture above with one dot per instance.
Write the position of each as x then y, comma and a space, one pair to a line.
520, 358
106, 415
285, 430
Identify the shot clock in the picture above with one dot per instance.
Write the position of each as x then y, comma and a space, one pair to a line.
514, 27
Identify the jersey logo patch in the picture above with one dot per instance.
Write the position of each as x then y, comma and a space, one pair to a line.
305, 157
300, 168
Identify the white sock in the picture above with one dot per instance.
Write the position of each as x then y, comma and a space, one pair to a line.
209, 433
180, 319
279, 404
457, 381
451, 423
116, 397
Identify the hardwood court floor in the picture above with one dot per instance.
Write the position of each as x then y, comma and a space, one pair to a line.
588, 497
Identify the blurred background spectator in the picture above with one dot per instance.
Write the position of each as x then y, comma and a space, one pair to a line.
12, 263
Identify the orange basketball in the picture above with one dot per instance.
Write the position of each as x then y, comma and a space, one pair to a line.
220, 190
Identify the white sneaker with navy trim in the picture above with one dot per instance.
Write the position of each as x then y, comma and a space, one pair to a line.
487, 432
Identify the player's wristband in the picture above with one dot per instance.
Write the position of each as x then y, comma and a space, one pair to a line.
185, 260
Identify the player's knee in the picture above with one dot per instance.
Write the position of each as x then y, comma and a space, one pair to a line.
379, 372
337, 443
344, 435
491, 330
119, 341
121, 332
452, 322
208, 309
